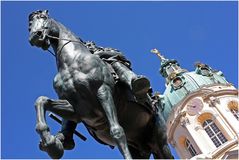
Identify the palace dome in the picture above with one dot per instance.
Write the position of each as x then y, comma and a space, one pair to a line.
180, 82
185, 83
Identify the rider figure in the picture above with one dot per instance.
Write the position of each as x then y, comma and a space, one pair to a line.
139, 84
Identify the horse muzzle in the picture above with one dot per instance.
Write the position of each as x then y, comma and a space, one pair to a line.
38, 39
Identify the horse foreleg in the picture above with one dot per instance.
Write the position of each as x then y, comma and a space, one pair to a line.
51, 144
116, 131
66, 134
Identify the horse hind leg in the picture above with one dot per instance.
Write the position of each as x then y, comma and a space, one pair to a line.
116, 131
50, 144
138, 154
160, 138
164, 153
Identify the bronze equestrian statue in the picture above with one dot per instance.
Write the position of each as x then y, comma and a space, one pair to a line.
112, 110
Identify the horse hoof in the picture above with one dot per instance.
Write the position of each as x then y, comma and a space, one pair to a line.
55, 150
41, 146
68, 143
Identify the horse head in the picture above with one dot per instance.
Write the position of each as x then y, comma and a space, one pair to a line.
38, 28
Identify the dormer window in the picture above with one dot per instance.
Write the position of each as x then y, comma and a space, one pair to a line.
203, 69
178, 82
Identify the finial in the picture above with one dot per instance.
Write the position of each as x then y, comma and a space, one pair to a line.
155, 51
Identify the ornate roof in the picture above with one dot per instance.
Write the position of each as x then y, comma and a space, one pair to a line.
180, 82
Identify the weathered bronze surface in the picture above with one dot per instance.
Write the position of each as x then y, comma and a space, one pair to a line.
96, 87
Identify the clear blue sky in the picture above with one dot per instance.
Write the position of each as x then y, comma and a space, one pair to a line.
186, 31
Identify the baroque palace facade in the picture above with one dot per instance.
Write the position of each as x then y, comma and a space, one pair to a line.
201, 111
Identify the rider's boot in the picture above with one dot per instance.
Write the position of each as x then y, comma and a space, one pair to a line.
139, 85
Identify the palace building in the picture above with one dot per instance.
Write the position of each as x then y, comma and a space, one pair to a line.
201, 111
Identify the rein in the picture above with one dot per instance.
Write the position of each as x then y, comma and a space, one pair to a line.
69, 41
54, 37
51, 52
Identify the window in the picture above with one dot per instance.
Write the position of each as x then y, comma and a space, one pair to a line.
177, 82
235, 113
190, 148
175, 67
205, 71
214, 133
233, 106
169, 70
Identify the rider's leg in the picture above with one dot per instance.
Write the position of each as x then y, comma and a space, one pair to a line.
138, 84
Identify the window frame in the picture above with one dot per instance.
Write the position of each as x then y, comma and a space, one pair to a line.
214, 133
233, 107
190, 148
235, 113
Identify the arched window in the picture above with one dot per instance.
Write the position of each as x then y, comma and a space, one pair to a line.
235, 113
233, 106
190, 148
214, 133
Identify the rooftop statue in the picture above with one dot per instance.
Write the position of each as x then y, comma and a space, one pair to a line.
96, 87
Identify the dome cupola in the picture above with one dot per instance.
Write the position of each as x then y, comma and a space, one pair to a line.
180, 82
169, 68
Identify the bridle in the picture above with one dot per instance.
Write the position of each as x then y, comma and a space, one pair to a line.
44, 35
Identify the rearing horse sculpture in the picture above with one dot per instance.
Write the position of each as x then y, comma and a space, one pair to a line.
87, 93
